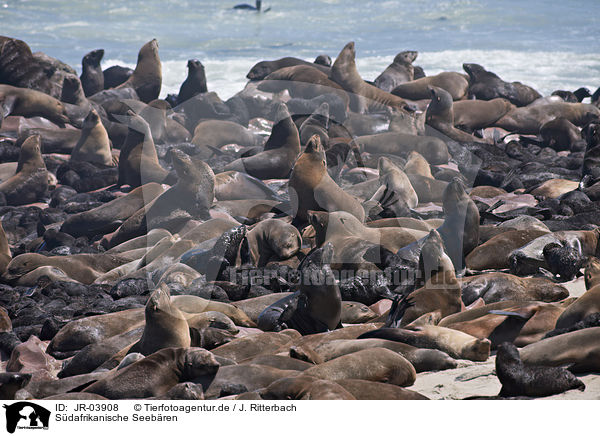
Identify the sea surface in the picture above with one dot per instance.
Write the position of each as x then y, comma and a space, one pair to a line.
546, 44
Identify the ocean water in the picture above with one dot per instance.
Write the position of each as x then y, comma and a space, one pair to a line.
547, 44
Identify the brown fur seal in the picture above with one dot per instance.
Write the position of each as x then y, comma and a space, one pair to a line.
585, 305
30, 183
138, 161
165, 327
147, 76
399, 71
233, 185
554, 188
417, 164
195, 82
263, 68
393, 179
216, 133
280, 152
401, 144
31, 103
375, 364
529, 119
109, 216
93, 145
494, 253
455, 84
304, 387
311, 187
368, 390
580, 348
470, 115
440, 115
272, 240
498, 286
363, 95
92, 77
519, 379
248, 347
157, 374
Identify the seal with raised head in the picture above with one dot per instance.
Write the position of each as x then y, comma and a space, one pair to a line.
93, 145
195, 82
138, 161
312, 188
156, 374
399, 71
31, 103
147, 76
280, 152
92, 77
30, 182
519, 379
363, 95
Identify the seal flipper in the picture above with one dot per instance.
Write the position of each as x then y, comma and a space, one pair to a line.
8, 104
399, 307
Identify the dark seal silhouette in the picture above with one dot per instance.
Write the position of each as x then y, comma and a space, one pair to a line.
532, 381
27, 415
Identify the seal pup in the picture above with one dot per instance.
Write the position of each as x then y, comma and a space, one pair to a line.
31, 103
195, 82
93, 145
279, 154
147, 76
532, 381
399, 71
92, 77
312, 188
30, 182
138, 161
363, 95
156, 374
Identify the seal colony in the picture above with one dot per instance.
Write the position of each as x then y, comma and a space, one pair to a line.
315, 236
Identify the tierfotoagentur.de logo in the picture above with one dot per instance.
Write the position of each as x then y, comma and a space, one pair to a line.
24, 415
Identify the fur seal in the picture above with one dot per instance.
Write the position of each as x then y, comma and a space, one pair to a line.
30, 182
393, 179
157, 374
375, 364
165, 327
401, 144
262, 69
533, 381
317, 123
92, 77
280, 152
272, 239
399, 71
471, 115
93, 145
304, 387
363, 95
5, 254
585, 305
216, 133
311, 187
147, 76
417, 164
368, 390
455, 84
31, 103
138, 161
485, 85
580, 348
195, 82
440, 115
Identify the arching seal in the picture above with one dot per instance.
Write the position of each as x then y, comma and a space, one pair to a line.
93, 145
280, 152
157, 374
533, 381
195, 82
30, 182
455, 84
31, 103
311, 187
399, 71
147, 76
138, 161
363, 95
92, 77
